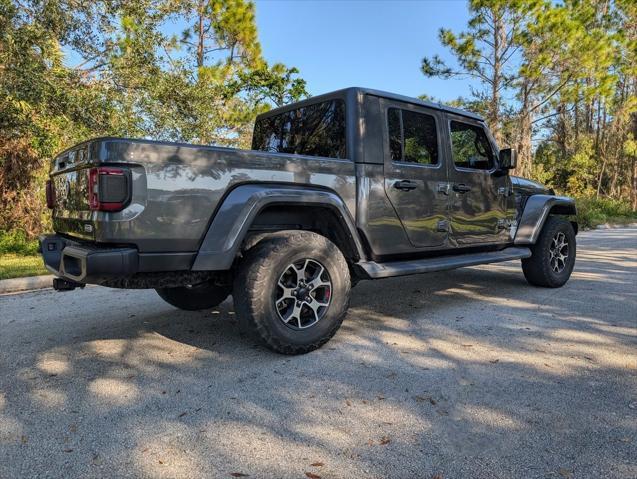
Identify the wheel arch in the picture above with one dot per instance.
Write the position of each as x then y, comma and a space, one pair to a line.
323, 219
536, 211
252, 210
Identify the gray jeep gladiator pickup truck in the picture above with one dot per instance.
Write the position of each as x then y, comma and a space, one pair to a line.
355, 184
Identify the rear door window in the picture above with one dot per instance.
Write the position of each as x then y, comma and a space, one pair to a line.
412, 137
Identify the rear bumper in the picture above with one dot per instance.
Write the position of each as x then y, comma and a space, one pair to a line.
86, 264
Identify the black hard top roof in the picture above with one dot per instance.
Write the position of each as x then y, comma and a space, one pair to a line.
378, 93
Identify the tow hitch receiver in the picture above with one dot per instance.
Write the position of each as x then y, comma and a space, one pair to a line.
61, 284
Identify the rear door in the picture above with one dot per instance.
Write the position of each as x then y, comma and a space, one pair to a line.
415, 173
477, 192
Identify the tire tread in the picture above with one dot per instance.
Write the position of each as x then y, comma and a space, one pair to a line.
253, 276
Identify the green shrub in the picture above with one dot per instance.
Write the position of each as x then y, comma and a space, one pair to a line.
596, 211
18, 243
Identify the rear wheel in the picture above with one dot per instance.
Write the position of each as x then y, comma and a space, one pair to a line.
293, 291
192, 298
553, 256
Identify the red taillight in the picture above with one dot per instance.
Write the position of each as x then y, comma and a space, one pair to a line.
50, 194
107, 188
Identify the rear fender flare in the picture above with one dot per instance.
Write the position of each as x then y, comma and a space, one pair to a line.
536, 211
241, 206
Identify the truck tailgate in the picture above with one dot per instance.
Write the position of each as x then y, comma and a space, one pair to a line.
69, 177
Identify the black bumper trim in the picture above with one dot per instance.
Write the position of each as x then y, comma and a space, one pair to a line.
86, 264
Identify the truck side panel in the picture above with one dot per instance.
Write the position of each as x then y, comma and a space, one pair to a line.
178, 187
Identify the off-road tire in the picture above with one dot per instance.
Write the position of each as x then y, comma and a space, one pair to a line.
193, 298
537, 269
255, 290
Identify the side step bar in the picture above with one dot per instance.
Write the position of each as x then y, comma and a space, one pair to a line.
441, 263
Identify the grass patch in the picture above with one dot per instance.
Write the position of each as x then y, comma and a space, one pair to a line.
592, 212
18, 266
18, 243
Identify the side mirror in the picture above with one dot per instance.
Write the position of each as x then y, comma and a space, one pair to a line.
508, 159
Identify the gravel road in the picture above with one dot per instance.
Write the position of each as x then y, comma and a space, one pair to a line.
466, 374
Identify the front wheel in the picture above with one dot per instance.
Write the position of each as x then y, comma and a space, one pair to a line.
293, 291
193, 298
553, 255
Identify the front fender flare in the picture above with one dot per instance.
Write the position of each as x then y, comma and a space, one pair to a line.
536, 211
239, 209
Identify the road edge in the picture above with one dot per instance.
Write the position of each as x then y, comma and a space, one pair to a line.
612, 226
28, 283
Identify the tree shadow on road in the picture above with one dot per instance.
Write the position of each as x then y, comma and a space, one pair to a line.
471, 373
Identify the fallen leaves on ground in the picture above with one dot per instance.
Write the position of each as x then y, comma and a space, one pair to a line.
239, 474
426, 398
384, 440
312, 475
317, 464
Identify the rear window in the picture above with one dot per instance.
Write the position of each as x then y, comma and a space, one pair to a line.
412, 137
313, 130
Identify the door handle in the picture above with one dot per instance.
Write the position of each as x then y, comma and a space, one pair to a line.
405, 185
460, 188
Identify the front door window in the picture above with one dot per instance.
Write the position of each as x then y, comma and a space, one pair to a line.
470, 147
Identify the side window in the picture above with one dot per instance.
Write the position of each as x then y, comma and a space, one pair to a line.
314, 130
470, 147
412, 137
395, 134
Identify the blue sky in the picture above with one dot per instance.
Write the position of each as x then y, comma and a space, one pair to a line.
370, 43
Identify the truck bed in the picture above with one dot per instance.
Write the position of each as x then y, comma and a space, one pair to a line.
176, 189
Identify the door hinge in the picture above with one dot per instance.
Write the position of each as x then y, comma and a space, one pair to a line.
443, 188
507, 223
504, 191
443, 226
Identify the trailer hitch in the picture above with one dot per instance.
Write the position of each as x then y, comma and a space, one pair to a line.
61, 284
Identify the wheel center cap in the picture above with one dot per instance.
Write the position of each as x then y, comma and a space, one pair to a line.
302, 292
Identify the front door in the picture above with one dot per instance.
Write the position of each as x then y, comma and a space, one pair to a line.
415, 173
478, 193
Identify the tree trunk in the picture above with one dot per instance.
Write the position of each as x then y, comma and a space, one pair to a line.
633, 192
525, 148
494, 108
577, 120
201, 36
